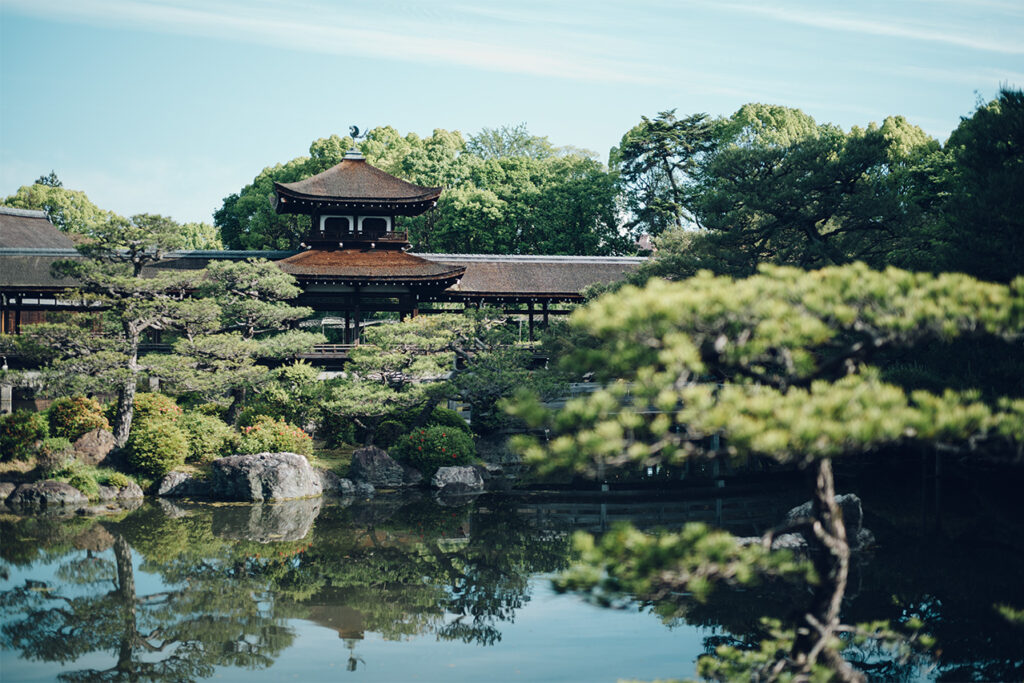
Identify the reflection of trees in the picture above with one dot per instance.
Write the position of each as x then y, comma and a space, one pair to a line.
426, 568
403, 570
180, 633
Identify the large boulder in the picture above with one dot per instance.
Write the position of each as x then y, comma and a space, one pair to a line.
182, 485
458, 479
93, 447
290, 520
374, 466
6, 489
264, 476
46, 495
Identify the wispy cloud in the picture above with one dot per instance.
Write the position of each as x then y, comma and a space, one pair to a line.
1005, 39
443, 36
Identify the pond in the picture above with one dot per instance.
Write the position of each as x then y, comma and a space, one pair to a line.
416, 589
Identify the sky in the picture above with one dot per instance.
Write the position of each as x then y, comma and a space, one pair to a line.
168, 106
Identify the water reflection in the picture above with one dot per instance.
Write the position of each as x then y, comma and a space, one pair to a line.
174, 591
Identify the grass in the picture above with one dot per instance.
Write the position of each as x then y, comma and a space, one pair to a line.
336, 460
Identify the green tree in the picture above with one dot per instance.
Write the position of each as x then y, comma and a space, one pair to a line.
69, 210
239, 322
770, 185
111, 278
657, 160
983, 230
780, 366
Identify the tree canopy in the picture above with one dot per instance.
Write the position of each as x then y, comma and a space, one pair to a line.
506, 192
779, 365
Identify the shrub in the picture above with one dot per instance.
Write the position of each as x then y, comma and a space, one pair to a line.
72, 416
267, 435
84, 483
19, 433
335, 428
117, 480
432, 447
446, 417
155, 447
208, 437
155, 407
388, 433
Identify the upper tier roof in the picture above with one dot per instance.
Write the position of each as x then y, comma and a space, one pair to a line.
354, 184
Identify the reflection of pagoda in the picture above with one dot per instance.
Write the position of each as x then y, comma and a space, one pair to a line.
355, 260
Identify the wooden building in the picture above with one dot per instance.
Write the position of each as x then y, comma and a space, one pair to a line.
352, 260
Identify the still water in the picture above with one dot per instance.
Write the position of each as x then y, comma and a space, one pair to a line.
417, 589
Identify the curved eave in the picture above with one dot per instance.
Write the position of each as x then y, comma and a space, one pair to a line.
287, 200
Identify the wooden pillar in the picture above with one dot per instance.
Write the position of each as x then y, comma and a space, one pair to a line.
3, 314
17, 315
356, 315
529, 313
545, 314
346, 335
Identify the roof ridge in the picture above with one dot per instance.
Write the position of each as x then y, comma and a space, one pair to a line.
27, 213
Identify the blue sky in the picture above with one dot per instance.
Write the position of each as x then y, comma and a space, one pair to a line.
167, 106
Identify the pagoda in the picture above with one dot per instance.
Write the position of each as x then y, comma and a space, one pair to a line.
353, 259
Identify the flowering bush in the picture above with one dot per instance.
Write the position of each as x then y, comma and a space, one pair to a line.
72, 416
268, 435
436, 446
19, 433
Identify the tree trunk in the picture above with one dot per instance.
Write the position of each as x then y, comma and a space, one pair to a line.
126, 394
830, 553
126, 594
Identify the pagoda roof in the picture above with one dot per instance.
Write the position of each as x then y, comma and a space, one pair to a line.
369, 266
354, 183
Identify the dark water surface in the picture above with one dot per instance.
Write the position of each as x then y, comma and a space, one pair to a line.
413, 589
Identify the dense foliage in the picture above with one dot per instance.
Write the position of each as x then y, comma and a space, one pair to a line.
506, 192
769, 184
155, 447
19, 431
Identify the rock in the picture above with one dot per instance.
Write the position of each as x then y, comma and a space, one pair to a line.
411, 476
465, 479
853, 519
43, 495
334, 485
290, 520
264, 476
93, 447
130, 492
182, 485
374, 466
364, 489
51, 461
172, 511
6, 489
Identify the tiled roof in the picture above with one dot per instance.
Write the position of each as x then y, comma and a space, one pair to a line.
367, 265
355, 181
25, 229
535, 275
